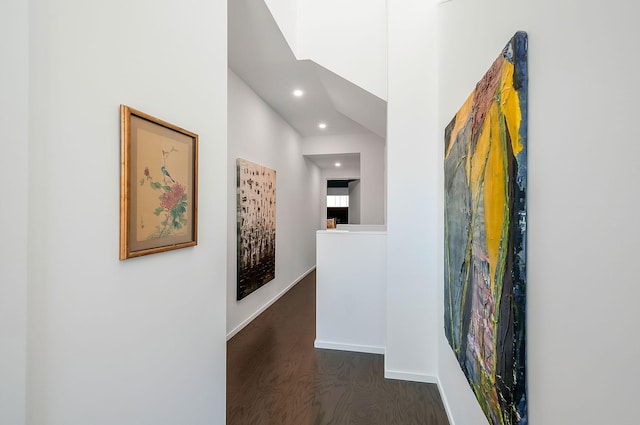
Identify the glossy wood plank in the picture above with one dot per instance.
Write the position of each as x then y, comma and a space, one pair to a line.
275, 376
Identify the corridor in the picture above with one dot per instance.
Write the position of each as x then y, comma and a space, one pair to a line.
275, 376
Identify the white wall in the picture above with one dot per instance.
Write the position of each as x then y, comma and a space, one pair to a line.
258, 134
372, 177
582, 186
348, 38
345, 172
140, 341
363, 228
350, 302
413, 165
285, 13
14, 166
354, 202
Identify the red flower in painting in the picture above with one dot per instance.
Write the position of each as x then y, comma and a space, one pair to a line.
146, 172
171, 197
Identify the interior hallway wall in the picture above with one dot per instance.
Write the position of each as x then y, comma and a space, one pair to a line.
14, 172
140, 341
413, 166
354, 202
582, 185
260, 135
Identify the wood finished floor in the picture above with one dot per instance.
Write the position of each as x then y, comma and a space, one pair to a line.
275, 376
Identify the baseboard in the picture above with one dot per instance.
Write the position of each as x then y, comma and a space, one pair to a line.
349, 347
414, 377
267, 305
445, 402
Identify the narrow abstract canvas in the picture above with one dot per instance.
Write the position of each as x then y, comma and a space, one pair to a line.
256, 226
485, 170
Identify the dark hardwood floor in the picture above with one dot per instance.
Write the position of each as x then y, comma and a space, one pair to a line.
275, 376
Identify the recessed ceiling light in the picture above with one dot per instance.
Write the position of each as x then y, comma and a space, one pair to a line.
322, 125
338, 164
298, 92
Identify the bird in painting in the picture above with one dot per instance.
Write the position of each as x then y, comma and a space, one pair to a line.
166, 174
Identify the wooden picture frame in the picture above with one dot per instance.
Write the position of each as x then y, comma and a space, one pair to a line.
158, 185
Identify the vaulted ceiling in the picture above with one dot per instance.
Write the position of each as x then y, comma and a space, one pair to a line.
261, 57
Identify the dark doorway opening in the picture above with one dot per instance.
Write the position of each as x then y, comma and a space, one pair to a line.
343, 200
341, 215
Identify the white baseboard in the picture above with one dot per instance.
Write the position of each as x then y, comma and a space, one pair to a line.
348, 347
414, 377
445, 402
267, 305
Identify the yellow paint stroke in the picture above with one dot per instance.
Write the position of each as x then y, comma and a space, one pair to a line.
494, 193
461, 118
510, 107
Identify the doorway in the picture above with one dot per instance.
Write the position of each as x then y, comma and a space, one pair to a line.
343, 201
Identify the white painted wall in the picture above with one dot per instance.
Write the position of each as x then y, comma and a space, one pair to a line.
258, 134
371, 175
340, 173
362, 227
348, 38
285, 13
140, 341
414, 215
350, 301
14, 172
583, 173
354, 202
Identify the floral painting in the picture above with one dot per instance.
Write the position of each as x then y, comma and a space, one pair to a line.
485, 169
173, 202
160, 185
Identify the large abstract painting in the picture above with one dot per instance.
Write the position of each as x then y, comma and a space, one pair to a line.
485, 236
256, 226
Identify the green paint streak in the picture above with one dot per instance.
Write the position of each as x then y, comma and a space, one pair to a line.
482, 388
474, 214
456, 343
448, 261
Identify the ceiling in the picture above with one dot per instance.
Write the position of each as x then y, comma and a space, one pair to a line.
348, 161
261, 57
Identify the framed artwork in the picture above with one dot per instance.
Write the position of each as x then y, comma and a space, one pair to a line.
158, 185
485, 169
256, 217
